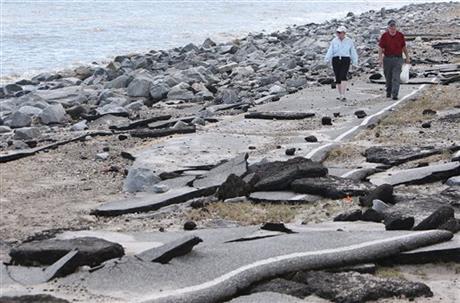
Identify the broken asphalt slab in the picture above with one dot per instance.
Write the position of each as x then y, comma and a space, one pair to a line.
279, 115
448, 251
235, 265
168, 251
144, 202
92, 251
417, 175
398, 155
331, 187
282, 197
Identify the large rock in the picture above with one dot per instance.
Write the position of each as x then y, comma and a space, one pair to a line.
30, 110
219, 174
91, 251
19, 119
180, 91
26, 133
140, 179
347, 287
140, 85
159, 91
119, 82
436, 219
53, 114
331, 187
397, 222
278, 175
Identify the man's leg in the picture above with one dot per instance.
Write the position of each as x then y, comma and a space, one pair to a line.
396, 78
387, 71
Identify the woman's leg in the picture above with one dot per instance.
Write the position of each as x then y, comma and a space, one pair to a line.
343, 74
336, 66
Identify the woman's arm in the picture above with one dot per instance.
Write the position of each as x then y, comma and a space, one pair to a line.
328, 56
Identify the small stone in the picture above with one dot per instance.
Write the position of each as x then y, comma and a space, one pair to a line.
383, 192
426, 125
105, 148
122, 137
140, 179
360, 114
379, 206
290, 151
311, 139
189, 225
336, 115
80, 126
429, 112
102, 156
160, 188
326, 121
453, 181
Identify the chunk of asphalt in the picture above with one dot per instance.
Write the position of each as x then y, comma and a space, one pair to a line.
257, 235
436, 219
371, 215
419, 175
356, 287
62, 267
368, 268
383, 193
279, 115
276, 227
398, 222
282, 286
282, 197
397, 155
278, 175
448, 251
38, 298
219, 174
170, 250
331, 187
92, 251
353, 215
163, 132
150, 202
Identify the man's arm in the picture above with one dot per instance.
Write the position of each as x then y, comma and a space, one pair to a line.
406, 53
380, 56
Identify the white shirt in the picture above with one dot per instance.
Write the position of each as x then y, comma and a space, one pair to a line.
342, 48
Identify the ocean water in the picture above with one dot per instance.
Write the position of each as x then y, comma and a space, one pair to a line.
47, 35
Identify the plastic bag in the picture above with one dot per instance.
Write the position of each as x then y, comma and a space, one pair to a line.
405, 73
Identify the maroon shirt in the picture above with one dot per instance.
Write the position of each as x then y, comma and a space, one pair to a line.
392, 45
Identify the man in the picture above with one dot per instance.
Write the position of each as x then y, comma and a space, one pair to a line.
391, 46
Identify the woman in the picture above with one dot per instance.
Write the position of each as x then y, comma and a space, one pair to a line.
341, 52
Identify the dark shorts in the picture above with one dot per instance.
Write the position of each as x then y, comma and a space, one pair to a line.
341, 65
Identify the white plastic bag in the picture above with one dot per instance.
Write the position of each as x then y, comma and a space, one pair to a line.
405, 73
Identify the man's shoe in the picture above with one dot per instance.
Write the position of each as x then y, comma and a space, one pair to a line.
395, 98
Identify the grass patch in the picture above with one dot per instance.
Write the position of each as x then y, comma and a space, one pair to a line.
389, 272
246, 213
344, 153
437, 98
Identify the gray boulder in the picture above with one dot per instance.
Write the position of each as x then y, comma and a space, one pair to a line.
453, 181
80, 126
140, 85
180, 91
26, 133
140, 179
119, 82
54, 113
159, 91
30, 110
19, 119
229, 96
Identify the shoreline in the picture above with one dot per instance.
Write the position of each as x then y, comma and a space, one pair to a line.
102, 61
